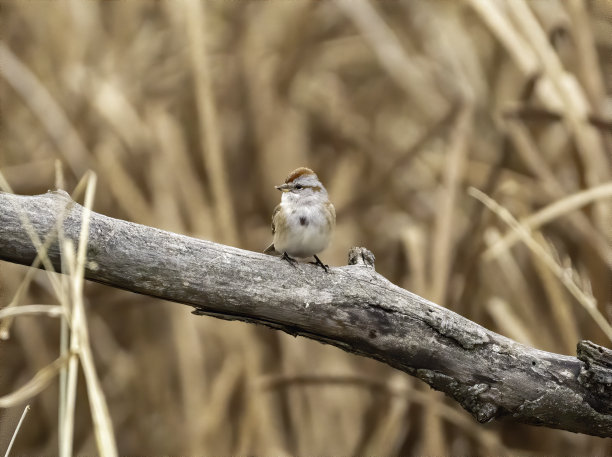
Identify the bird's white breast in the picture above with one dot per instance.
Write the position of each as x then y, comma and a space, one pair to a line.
306, 233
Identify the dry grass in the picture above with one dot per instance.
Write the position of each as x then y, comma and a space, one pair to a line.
190, 112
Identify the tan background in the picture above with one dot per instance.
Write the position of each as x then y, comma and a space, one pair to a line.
190, 113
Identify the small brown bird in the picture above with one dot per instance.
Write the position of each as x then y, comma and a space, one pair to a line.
303, 222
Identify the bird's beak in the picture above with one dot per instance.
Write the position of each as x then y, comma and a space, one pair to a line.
284, 187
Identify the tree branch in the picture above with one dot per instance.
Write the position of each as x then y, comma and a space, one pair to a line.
352, 307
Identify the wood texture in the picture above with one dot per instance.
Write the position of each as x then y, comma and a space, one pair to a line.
352, 307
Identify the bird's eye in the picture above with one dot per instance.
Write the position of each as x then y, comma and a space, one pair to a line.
298, 186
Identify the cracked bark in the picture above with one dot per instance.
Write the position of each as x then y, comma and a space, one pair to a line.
352, 307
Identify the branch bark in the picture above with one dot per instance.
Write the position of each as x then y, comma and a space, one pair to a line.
352, 307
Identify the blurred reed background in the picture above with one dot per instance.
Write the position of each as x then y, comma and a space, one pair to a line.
190, 112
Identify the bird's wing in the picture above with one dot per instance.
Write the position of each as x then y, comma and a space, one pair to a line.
270, 249
276, 210
332, 212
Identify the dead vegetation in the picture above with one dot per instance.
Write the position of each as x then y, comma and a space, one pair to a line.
189, 112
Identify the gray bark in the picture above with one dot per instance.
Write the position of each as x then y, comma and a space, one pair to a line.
352, 307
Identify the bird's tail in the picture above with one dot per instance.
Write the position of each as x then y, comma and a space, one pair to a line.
270, 250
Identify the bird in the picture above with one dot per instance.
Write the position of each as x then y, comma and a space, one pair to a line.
304, 221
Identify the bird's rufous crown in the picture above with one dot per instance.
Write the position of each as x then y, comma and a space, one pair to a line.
297, 173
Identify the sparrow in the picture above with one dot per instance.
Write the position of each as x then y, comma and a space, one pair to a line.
303, 222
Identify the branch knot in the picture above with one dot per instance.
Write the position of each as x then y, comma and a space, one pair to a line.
596, 375
361, 256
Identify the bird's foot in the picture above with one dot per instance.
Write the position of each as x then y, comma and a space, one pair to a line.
321, 264
291, 261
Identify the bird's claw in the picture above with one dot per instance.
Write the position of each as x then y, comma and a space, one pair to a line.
321, 264
291, 261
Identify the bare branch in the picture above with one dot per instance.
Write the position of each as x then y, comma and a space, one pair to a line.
352, 307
